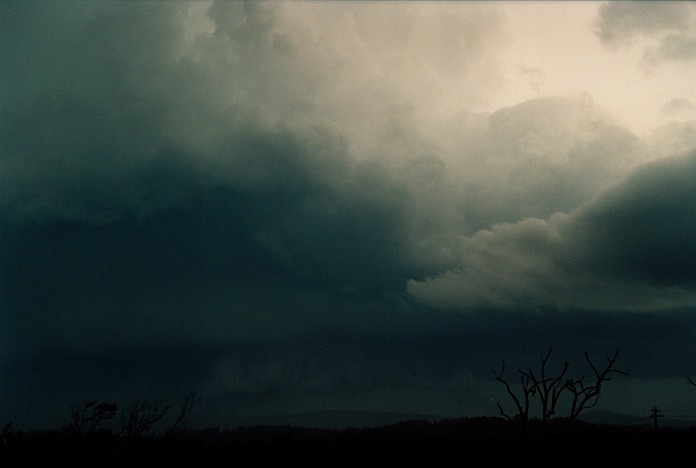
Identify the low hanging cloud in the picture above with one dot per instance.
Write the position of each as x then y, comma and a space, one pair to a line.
325, 153
618, 251
271, 152
663, 29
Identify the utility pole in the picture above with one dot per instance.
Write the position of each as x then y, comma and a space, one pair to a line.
655, 414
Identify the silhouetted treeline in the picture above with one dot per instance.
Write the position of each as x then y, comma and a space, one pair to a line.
453, 442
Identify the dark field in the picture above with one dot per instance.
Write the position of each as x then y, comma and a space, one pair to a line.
454, 442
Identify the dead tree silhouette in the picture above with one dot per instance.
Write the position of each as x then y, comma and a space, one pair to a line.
548, 388
522, 402
587, 395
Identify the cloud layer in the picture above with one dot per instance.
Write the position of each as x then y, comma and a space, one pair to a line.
665, 28
301, 205
620, 250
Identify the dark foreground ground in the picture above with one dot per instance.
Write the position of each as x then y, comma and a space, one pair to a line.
456, 442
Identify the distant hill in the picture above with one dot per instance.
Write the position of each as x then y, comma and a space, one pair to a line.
337, 419
346, 419
612, 418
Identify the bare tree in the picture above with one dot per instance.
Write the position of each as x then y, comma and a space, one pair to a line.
141, 417
549, 387
91, 416
521, 402
587, 395
181, 421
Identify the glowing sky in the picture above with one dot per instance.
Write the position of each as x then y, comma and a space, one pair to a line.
556, 51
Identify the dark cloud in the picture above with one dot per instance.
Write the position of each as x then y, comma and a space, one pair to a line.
678, 47
670, 23
123, 88
530, 160
632, 228
621, 22
86, 119
194, 264
556, 153
619, 250
231, 198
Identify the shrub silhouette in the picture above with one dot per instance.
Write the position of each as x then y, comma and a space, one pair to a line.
138, 421
91, 416
140, 418
181, 422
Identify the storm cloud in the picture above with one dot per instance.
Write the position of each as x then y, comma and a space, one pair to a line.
291, 206
620, 250
668, 27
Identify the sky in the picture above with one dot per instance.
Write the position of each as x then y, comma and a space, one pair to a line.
299, 206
